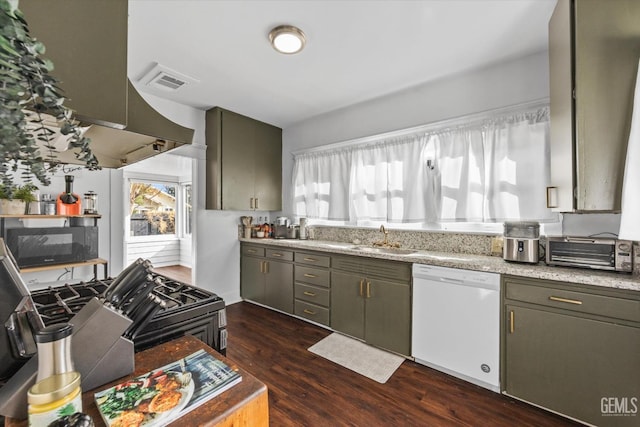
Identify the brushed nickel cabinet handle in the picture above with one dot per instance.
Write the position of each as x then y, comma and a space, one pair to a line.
568, 301
277, 254
361, 287
251, 204
256, 205
266, 267
261, 266
368, 289
311, 276
310, 259
512, 319
309, 312
252, 251
311, 294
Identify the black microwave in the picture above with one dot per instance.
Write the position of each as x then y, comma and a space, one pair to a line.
33, 247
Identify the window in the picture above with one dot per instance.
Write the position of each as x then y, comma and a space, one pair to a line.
152, 208
187, 208
477, 171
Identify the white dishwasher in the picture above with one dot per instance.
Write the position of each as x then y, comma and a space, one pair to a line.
456, 323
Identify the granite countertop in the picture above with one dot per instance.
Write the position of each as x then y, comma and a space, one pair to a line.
469, 262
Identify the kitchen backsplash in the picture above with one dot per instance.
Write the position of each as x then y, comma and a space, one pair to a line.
478, 244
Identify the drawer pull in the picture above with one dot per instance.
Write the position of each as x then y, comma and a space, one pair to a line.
512, 321
310, 259
311, 294
307, 311
311, 276
568, 301
276, 254
251, 251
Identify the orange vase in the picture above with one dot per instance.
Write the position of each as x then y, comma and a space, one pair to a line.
68, 203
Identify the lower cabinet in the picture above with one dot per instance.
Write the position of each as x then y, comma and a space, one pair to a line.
374, 309
266, 277
573, 350
312, 287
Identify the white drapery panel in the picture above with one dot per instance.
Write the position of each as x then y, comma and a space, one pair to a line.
487, 171
517, 160
321, 185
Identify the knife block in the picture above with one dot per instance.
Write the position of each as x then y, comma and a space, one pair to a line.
99, 352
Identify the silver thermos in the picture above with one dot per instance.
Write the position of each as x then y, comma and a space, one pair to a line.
54, 350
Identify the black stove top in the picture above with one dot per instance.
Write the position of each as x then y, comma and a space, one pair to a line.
61, 303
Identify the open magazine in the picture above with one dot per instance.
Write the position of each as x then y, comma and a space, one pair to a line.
164, 394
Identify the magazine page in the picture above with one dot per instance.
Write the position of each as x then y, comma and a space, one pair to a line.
164, 394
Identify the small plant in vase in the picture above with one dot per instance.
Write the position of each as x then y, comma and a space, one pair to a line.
14, 200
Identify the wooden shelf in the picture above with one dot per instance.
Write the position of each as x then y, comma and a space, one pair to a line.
94, 262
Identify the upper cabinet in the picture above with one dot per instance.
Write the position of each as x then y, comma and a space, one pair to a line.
87, 42
594, 48
244, 163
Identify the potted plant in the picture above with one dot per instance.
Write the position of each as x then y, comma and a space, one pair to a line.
29, 92
15, 200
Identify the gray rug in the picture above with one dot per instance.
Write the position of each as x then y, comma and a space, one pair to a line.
357, 356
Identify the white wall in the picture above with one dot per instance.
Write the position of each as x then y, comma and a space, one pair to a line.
501, 85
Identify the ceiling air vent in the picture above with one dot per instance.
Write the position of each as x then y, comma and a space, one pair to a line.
166, 79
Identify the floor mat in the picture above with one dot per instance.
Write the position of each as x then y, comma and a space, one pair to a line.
357, 356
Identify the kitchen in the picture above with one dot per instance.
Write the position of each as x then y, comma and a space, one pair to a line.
509, 83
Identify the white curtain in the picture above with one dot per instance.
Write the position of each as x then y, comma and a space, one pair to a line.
487, 171
321, 185
517, 167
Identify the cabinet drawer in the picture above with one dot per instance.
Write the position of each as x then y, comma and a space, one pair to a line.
280, 255
312, 312
313, 294
312, 259
396, 270
252, 250
583, 302
314, 276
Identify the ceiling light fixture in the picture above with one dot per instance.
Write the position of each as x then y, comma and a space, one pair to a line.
287, 39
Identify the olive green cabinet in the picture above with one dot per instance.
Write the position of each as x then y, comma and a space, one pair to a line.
573, 349
244, 162
312, 287
594, 48
266, 277
371, 300
87, 42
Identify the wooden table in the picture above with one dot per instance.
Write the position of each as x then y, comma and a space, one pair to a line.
244, 404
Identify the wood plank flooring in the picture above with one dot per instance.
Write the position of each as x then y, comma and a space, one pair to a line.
308, 390
175, 272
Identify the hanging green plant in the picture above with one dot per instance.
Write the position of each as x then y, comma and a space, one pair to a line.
30, 97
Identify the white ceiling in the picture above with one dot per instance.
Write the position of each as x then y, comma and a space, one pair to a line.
356, 50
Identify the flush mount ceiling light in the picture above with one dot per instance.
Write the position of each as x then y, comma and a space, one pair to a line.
287, 39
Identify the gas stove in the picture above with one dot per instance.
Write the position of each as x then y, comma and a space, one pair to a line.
188, 310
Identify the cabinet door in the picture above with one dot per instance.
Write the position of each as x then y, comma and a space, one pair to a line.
572, 365
87, 43
347, 304
252, 279
237, 161
279, 286
388, 315
560, 196
267, 149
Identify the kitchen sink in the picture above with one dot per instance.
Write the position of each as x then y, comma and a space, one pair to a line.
377, 250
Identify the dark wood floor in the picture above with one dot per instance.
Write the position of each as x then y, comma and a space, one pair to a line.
307, 390
175, 272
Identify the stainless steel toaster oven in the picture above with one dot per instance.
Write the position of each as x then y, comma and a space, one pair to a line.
587, 252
